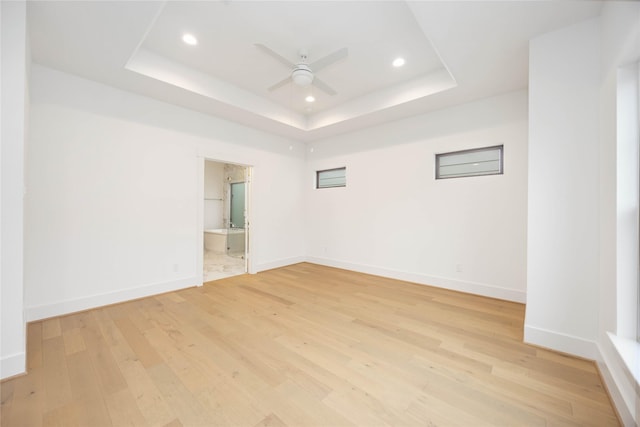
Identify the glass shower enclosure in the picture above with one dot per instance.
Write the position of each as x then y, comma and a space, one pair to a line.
237, 222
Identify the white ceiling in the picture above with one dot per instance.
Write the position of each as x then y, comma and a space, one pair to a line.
455, 51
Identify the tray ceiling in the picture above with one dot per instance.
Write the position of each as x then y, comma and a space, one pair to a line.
454, 52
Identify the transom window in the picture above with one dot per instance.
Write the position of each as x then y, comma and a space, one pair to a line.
329, 178
475, 162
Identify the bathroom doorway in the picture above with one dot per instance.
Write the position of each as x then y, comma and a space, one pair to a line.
225, 220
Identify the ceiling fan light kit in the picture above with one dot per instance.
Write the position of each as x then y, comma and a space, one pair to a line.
302, 75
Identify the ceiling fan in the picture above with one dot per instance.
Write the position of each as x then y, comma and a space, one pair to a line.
302, 73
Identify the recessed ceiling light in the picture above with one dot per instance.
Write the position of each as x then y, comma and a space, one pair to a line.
190, 39
398, 62
310, 98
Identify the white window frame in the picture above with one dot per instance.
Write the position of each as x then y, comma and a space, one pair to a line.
471, 173
341, 184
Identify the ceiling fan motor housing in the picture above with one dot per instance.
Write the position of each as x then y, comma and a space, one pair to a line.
302, 75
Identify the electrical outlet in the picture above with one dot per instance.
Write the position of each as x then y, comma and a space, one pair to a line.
459, 268
176, 268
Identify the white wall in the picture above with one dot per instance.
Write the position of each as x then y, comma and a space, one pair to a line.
394, 219
114, 208
572, 291
620, 48
13, 69
213, 195
562, 267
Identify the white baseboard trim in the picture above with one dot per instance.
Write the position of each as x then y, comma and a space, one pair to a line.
618, 385
39, 312
279, 263
423, 279
561, 342
614, 380
13, 365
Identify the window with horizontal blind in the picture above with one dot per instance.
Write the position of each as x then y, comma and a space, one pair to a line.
331, 178
475, 162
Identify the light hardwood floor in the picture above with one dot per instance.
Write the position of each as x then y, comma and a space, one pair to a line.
303, 345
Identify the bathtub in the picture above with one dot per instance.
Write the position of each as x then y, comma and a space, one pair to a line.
215, 240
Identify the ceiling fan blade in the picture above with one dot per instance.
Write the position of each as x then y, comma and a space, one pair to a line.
329, 59
280, 84
275, 55
323, 86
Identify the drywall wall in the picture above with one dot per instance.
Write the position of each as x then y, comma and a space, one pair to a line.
620, 23
116, 186
13, 69
577, 196
394, 219
562, 268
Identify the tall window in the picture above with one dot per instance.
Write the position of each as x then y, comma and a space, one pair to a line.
628, 201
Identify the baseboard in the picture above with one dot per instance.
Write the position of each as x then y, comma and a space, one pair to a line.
39, 312
587, 349
12, 365
279, 263
482, 289
618, 385
561, 342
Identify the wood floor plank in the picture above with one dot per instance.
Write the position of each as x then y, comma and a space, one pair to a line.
92, 411
51, 328
28, 400
512, 393
62, 416
73, 341
293, 403
72, 321
271, 420
148, 398
431, 410
123, 410
86, 388
6, 401
34, 346
56, 374
229, 404
139, 317
182, 402
301, 345
146, 354
193, 366
360, 408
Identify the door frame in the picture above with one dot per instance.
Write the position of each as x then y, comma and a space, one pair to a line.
249, 261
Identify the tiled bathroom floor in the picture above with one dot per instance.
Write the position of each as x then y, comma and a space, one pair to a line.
218, 266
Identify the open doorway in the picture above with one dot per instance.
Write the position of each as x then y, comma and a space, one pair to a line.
225, 223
